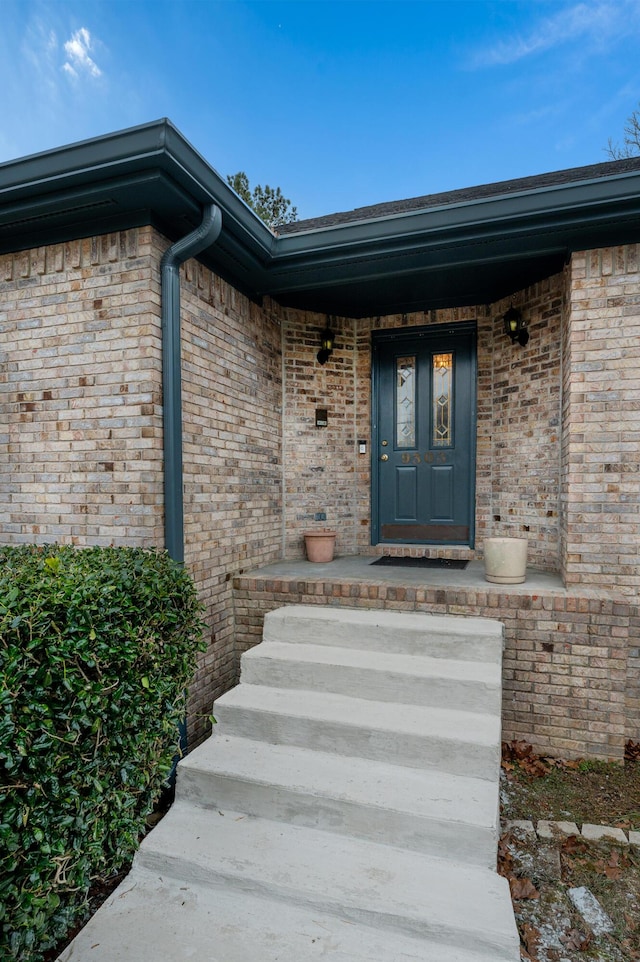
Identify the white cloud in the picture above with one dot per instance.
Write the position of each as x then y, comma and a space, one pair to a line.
598, 23
77, 51
544, 114
39, 46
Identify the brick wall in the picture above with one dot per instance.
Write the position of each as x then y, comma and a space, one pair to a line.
565, 666
518, 432
81, 443
320, 463
565, 413
525, 424
632, 704
77, 303
80, 393
81, 447
232, 452
601, 456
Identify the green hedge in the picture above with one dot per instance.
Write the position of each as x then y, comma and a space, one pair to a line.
96, 648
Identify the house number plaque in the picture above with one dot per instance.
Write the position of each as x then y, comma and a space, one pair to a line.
431, 457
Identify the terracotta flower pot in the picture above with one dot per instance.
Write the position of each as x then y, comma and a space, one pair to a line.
320, 545
505, 560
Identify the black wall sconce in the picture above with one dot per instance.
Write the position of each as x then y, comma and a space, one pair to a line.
326, 345
516, 326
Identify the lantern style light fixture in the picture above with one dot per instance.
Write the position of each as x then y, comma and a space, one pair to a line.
326, 345
516, 326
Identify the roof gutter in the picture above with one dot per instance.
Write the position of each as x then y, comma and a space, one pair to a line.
195, 242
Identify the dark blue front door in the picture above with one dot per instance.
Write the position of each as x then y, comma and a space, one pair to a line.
423, 436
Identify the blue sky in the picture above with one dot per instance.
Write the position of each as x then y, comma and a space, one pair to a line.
341, 104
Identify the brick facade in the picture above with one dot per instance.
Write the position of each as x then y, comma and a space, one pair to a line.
321, 464
557, 456
601, 423
81, 415
232, 451
523, 414
80, 399
518, 433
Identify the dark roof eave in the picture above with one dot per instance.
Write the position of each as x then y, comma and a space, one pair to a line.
534, 223
93, 165
580, 202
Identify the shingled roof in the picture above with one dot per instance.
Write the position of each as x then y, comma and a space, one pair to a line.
448, 198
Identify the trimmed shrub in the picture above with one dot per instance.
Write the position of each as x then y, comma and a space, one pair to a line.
96, 648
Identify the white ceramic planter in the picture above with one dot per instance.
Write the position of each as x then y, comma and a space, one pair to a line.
505, 560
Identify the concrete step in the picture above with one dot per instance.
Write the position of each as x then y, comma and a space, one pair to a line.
364, 883
450, 816
376, 675
469, 639
151, 919
319, 825
458, 742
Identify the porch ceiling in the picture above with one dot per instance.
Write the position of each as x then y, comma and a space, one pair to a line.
464, 247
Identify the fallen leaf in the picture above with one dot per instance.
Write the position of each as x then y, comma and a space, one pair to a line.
531, 937
632, 751
631, 953
536, 767
614, 867
505, 858
573, 845
516, 750
574, 939
523, 888
573, 764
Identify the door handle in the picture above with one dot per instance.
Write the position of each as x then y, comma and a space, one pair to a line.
384, 457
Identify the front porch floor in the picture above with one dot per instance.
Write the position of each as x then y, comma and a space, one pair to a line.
359, 569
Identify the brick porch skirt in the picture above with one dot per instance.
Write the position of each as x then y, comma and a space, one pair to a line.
570, 673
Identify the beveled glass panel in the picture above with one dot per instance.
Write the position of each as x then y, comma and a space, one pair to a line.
406, 402
442, 400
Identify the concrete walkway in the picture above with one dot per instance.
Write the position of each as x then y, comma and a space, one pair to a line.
345, 809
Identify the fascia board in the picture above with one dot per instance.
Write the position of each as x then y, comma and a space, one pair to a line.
549, 206
476, 244
156, 145
86, 160
237, 217
269, 263
407, 265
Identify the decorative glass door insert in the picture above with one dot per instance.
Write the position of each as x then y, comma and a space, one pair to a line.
424, 436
